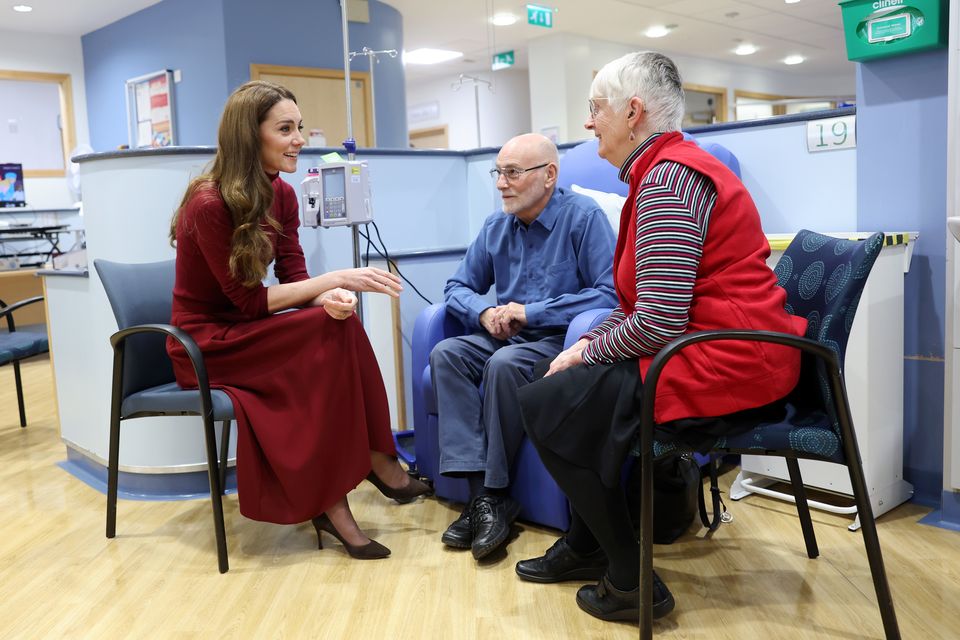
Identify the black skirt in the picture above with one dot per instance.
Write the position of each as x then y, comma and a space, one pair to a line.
589, 415
586, 415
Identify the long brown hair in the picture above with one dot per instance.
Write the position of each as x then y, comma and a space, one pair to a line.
239, 176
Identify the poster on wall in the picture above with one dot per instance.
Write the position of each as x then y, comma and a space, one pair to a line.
150, 110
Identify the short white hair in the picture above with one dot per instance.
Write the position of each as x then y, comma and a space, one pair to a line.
652, 77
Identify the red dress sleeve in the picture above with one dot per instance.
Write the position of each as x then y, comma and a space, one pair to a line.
206, 219
289, 265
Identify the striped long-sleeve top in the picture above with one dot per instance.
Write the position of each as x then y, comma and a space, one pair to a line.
673, 208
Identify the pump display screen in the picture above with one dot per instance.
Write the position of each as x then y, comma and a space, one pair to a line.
334, 188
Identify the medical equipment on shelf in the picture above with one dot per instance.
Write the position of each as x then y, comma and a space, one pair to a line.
337, 194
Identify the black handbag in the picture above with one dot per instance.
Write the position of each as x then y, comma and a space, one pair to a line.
675, 482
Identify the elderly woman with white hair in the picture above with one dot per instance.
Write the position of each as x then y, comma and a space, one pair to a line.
690, 256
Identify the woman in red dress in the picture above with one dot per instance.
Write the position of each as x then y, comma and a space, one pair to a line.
311, 408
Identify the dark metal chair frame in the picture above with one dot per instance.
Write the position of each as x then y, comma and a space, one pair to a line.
7, 312
216, 465
851, 451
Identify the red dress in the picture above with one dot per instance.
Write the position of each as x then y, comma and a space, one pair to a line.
306, 389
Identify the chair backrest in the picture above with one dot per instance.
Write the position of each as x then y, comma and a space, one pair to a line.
824, 279
141, 294
581, 166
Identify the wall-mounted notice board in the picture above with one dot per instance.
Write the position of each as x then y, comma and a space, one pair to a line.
150, 110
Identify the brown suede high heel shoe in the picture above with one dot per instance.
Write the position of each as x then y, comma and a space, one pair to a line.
373, 550
404, 495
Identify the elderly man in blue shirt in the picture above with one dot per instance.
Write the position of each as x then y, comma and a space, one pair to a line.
549, 256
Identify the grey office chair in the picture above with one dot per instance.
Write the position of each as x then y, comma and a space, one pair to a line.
143, 379
19, 345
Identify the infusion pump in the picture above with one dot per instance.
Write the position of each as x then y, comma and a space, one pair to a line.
337, 194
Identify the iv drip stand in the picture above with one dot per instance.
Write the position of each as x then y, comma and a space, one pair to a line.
476, 95
350, 144
372, 57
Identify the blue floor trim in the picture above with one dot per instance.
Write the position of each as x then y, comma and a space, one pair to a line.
948, 516
144, 486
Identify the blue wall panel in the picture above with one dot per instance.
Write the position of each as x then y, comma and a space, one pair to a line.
173, 34
307, 33
213, 43
793, 189
901, 186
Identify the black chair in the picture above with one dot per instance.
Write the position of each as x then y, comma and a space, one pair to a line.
824, 278
19, 345
143, 380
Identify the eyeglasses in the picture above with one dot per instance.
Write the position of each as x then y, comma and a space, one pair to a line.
593, 107
513, 173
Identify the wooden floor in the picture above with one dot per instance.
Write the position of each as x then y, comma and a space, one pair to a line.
61, 578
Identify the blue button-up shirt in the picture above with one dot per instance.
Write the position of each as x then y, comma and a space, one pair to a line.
558, 266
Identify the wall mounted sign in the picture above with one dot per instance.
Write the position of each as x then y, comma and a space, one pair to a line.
150, 110
502, 60
831, 134
540, 16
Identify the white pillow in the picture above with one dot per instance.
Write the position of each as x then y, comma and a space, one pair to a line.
611, 203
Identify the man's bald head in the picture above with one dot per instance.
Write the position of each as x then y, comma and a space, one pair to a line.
532, 146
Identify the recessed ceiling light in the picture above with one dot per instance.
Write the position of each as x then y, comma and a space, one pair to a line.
791, 1
22, 8
430, 56
745, 49
503, 19
793, 59
659, 30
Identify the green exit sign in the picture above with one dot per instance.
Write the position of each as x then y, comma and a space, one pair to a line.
539, 16
502, 60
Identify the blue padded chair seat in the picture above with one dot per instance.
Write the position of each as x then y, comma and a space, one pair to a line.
170, 398
21, 344
808, 432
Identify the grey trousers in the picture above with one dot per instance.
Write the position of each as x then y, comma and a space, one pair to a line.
483, 433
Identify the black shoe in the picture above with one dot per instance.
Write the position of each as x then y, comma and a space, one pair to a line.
490, 519
414, 489
606, 602
560, 563
459, 534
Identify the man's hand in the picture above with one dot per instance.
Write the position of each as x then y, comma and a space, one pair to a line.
488, 320
567, 358
512, 318
505, 321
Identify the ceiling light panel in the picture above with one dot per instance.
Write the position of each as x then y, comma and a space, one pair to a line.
503, 19
430, 56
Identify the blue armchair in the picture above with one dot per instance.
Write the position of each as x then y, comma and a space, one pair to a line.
531, 485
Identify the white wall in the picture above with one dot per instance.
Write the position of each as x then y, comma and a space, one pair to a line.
48, 54
562, 67
504, 111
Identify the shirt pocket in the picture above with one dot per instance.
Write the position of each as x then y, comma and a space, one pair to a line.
562, 278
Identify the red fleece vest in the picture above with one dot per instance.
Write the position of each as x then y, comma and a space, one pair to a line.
734, 289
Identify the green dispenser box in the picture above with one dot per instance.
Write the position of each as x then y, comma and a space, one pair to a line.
883, 28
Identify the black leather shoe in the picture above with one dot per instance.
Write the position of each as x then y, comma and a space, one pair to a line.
459, 534
560, 563
606, 602
490, 518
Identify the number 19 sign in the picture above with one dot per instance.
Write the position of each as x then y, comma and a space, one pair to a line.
832, 133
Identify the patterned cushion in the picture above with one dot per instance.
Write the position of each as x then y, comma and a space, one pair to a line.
824, 279
21, 344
